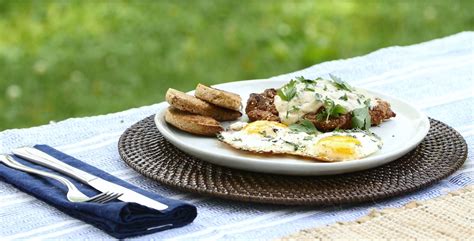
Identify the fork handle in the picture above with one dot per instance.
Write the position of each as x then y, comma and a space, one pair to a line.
16, 165
36, 156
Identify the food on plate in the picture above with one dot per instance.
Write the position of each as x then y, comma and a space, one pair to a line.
192, 123
188, 103
289, 120
300, 139
199, 117
322, 119
218, 97
328, 103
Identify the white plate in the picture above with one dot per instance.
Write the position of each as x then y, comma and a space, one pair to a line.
399, 135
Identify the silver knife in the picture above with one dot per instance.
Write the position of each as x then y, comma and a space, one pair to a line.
36, 156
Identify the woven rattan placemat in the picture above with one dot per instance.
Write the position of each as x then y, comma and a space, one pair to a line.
449, 217
441, 153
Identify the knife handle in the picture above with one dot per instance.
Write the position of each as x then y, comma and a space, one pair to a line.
36, 156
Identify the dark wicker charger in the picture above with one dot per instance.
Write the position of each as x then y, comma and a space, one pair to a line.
440, 154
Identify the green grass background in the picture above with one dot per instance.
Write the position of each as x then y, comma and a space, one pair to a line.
61, 59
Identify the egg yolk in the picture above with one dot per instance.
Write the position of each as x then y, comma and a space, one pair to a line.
263, 128
338, 147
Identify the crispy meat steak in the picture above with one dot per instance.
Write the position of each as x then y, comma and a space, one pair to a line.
262, 107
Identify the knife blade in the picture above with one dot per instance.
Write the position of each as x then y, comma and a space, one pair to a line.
36, 156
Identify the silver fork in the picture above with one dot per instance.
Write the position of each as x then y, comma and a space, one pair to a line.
73, 194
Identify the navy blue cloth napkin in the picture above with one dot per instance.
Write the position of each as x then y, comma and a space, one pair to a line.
119, 219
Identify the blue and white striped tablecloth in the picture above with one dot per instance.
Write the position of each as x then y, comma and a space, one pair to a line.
436, 76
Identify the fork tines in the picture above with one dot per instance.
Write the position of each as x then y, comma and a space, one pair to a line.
104, 197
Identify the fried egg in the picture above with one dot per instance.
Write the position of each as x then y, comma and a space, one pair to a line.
275, 137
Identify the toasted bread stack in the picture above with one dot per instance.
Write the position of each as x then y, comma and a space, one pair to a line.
200, 114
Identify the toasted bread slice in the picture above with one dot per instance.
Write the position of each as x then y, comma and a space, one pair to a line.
195, 124
189, 103
217, 97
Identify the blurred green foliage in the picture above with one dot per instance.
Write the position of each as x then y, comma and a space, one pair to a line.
61, 59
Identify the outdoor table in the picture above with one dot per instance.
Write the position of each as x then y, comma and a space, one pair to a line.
436, 76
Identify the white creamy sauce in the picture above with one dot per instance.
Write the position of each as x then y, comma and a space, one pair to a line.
310, 96
237, 126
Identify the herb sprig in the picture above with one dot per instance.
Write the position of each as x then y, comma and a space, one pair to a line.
338, 83
288, 91
306, 81
331, 110
304, 126
361, 118
344, 97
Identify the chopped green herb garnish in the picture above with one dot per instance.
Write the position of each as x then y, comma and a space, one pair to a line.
337, 110
304, 126
361, 118
295, 108
344, 97
288, 91
325, 87
340, 84
331, 110
321, 115
295, 146
318, 96
306, 81
367, 102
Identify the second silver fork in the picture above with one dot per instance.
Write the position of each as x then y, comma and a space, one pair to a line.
73, 194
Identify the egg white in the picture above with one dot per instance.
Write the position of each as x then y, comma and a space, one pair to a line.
274, 137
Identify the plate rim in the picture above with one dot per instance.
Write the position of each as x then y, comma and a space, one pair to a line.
306, 168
